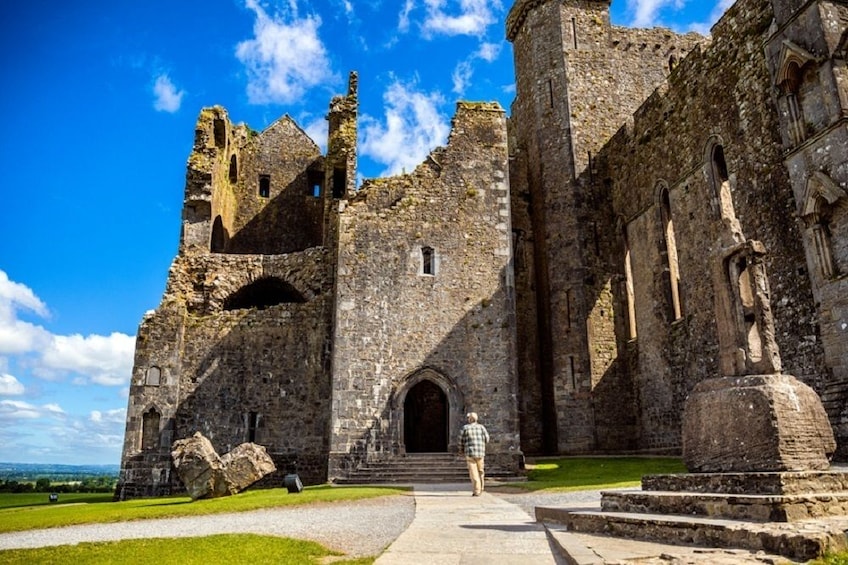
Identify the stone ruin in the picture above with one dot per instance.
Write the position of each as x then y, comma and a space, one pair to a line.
205, 474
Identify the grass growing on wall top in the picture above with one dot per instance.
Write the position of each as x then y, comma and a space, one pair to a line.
14, 517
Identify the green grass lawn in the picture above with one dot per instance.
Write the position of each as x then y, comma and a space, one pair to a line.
18, 500
585, 473
15, 516
232, 548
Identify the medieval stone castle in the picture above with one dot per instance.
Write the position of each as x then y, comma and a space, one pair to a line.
657, 210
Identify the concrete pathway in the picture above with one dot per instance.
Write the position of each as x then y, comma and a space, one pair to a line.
451, 527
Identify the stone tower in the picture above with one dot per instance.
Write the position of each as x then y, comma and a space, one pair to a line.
578, 78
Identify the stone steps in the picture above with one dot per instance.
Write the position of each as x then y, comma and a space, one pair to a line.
754, 508
775, 538
415, 468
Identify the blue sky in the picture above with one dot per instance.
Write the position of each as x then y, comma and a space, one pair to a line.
101, 98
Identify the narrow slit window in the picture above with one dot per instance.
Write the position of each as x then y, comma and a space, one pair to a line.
671, 272
150, 429
252, 426
428, 261
339, 182
265, 186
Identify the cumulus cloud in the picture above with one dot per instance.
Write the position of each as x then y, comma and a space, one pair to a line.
105, 360
10, 386
12, 410
167, 97
459, 17
413, 127
285, 57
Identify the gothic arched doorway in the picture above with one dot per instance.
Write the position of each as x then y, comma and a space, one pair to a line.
425, 417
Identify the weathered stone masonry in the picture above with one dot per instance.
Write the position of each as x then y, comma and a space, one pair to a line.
658, 210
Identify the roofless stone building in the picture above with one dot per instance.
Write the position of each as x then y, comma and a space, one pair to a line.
658, 210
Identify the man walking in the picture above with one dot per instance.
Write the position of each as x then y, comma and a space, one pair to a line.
473, 443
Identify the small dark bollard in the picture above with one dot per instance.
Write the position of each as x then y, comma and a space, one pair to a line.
54, 497
293, 483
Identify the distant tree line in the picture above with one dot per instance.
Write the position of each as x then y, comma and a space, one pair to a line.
105, 483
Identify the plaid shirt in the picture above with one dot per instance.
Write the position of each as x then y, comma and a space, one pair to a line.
473, 440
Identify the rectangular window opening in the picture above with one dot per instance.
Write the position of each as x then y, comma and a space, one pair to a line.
265, 186
339, 182
315, 181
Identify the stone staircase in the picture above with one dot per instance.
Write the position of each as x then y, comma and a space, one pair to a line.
796, 515
416, 468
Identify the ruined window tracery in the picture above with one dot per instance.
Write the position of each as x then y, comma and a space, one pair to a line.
153, 377
824, 211
793, 61
668, 256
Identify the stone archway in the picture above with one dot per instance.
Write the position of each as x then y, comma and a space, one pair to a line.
426, 419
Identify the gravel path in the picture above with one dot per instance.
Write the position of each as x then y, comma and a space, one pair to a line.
361, 528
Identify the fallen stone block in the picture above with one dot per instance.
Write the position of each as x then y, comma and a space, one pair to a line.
205, 474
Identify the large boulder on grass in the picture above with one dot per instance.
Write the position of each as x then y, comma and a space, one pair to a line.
205, 474
756, 423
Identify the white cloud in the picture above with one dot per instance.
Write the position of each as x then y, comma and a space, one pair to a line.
16, 410
285, 58
104, 360
470, 17
403, 17
167, 97
115, 416
646, 12
317, 132
461, 76
413, 127
489, 51
10, 386
15, 295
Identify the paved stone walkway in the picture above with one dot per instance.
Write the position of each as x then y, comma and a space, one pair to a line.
451, 527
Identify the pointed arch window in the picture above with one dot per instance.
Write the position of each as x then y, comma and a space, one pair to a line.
790, 75
668, 256
150, 429
825, 214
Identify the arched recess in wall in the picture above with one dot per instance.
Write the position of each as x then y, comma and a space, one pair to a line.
220, 236
722, 194
264, 293
825, 215
668, 256
628, 291
150, 429
792, 63
427, 411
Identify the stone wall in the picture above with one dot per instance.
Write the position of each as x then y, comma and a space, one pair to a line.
720, 95
424, 293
